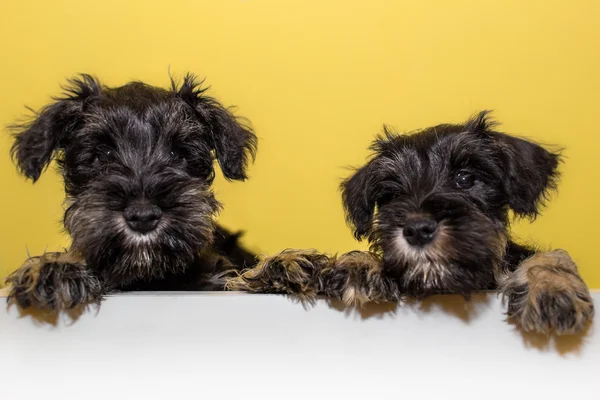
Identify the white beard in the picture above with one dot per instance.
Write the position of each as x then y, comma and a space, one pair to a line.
425, 264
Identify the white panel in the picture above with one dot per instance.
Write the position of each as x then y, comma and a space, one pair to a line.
233, 345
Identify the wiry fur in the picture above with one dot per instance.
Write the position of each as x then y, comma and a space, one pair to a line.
127, 147
546, 293
354, 277
460, 181
55, 281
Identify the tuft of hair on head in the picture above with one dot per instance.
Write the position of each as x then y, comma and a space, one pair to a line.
481, 122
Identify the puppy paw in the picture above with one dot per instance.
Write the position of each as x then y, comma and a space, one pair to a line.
546, 294
53, 282
357, 279
292, 272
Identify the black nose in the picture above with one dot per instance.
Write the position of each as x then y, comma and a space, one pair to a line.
420, 231
142, 217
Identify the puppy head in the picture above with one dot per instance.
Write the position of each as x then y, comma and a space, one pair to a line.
436, 202
137, 163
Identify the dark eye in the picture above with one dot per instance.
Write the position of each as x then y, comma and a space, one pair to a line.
464, 180
178, 155
105, 155
386, 198
389, 194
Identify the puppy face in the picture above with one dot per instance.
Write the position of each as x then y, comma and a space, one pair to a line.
436, 202
137, 163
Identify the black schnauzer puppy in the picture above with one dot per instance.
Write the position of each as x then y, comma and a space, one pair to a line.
434, 206
137, 163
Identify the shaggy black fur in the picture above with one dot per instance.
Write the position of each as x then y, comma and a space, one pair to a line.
435, 207
436, 203
137, 163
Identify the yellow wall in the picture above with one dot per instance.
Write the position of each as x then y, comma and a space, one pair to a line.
318, 79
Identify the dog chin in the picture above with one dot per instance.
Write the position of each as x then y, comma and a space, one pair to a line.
143, 262
424, 269
143, 256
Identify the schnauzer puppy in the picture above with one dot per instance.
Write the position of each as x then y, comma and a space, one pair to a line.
137, 163
435, 206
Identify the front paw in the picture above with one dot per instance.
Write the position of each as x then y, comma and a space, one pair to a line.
292, 272
54, 281
356, 278
546, 294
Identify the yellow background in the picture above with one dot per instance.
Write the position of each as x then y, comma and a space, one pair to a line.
317, 79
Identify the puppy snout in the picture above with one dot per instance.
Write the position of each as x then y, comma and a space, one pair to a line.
419, 231
142, 218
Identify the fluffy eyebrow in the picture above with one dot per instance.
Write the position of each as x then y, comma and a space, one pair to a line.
484, 162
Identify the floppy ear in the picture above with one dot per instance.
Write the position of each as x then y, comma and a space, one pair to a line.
233, 141
37, 141
530, 171
359, 199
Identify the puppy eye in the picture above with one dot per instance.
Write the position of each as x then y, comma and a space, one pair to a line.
388, 196
178, 155
464, 180
105, 155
